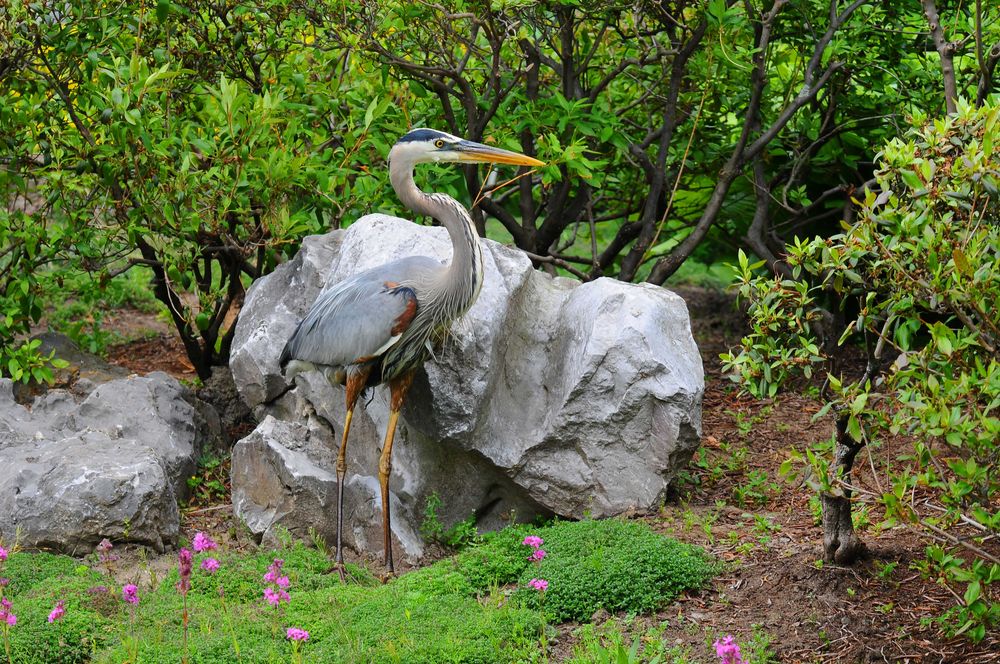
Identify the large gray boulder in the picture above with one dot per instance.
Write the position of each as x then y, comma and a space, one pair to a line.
550, 397
113, 463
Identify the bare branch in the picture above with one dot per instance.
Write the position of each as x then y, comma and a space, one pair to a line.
558, 262
946, 52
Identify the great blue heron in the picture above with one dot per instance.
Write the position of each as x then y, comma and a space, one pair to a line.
378, 326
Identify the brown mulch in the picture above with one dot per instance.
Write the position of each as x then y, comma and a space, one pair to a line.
161, 353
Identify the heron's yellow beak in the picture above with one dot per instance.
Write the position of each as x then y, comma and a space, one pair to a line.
469, 151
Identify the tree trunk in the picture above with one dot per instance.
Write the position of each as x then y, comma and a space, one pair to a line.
840, 543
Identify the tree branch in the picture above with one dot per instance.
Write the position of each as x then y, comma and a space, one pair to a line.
667, 265
946, 51
558, 262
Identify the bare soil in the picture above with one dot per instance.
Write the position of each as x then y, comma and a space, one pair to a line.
763, 528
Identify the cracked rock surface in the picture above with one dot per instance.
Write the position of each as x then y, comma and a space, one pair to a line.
549, 397
110, 460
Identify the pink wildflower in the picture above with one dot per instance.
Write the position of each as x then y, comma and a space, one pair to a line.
104, 552
210, 565
728, 651
276, 597
276, 591
130, 593
296, 634
537, 555
58, 612
203, 542
185, 559
3, 554
539, 584
534, 541
274, 571
5, 613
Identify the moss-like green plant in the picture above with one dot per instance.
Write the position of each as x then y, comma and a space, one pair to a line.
436, 614
37, 582
613, 565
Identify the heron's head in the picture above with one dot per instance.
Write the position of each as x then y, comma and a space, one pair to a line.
429, 145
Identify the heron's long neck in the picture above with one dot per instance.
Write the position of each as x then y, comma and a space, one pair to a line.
460, 284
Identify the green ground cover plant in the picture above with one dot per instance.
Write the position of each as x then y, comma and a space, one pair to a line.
478, 606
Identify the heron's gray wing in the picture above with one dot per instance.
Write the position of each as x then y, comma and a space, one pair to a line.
360, 317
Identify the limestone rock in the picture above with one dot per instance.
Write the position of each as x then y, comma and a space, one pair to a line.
550, 397
299, 494
113, 464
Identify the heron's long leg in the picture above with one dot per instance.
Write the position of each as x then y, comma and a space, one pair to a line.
355, 385
397, 392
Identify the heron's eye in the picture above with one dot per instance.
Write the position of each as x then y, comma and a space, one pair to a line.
439, 143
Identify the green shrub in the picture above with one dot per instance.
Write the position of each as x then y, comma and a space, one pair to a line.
193, 145
26, 570
916, 277
612, 565
37, 582
497, 561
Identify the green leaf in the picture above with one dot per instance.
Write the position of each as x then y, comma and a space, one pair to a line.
944, 344
911, 180
370, 112
162, 10
972, 592
854, 428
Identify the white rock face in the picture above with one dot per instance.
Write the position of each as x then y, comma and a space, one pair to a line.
112, 465
550, 397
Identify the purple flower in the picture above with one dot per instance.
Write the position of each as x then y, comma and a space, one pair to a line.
58, 612
130, 593
537, 555
210, 565
5, 613
276, 591
104, 551
3, 554
4, 582
185, 559
276, 597
274, 571
539, 584
534, 541
203, 542
728, 652
296, 634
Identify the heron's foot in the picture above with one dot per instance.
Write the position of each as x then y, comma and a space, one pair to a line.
340, 569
